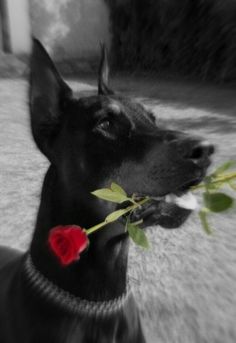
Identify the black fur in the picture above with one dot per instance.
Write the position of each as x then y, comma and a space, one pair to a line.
91, 142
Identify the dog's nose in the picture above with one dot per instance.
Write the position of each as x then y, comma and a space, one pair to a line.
199, 150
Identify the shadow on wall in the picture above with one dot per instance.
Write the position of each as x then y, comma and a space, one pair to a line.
71, 29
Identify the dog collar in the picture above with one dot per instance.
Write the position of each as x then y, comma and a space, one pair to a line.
68, 301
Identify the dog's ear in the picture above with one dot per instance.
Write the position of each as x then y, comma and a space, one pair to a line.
48, 95
103, 76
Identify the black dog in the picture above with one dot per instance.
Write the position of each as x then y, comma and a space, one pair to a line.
91, 142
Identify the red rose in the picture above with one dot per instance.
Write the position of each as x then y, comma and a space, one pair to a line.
67, 242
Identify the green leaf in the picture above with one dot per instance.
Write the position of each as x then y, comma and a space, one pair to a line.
227, 165
137, 235
115, 215
109, 195
217, 202
205, 225
118, 189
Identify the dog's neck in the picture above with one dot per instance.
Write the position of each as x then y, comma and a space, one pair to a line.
100, 274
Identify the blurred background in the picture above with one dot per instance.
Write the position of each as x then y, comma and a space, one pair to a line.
179, 59
190, 38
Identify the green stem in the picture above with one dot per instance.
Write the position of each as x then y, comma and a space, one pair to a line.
106, 222
95, 228
221, 179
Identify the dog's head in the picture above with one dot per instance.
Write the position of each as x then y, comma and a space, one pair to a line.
92, 141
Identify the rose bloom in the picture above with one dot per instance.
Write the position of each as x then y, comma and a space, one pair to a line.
67, 242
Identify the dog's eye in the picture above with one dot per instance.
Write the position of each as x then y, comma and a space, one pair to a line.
105, 128
103, 125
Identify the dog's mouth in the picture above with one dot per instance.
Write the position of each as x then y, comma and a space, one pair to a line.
186, 201
182, 197
169, 210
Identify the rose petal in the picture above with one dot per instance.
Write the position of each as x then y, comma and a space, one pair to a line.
67, 242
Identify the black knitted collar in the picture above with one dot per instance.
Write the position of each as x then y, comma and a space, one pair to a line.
68, 301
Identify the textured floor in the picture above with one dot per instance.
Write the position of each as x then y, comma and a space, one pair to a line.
186, 283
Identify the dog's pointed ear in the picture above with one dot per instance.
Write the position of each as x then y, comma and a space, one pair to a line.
103, 76
48, 95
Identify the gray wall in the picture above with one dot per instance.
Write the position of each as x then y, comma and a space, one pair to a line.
19, 25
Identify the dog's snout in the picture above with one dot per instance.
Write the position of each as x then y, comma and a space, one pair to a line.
199, 150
